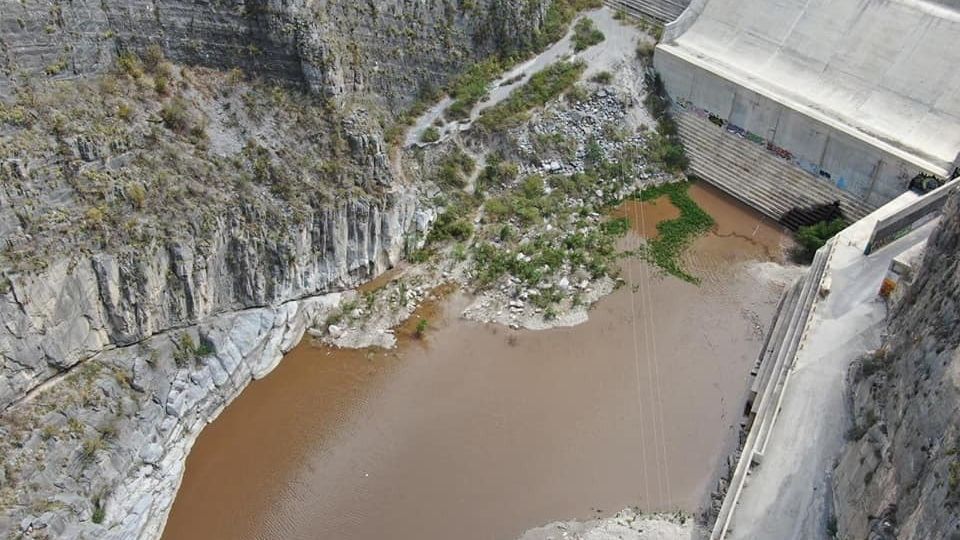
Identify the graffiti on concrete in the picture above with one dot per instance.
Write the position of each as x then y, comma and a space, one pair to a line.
780, 152
770, 146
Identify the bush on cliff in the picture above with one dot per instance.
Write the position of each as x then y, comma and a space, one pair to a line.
430, 135
541, 88
665, 147
585, 35
813, 237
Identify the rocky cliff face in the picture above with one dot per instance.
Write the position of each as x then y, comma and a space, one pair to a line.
899, 476
169, 228
155, 261
388, 49
79, 306
115, 229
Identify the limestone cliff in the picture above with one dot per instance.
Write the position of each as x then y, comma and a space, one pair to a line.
899, 476
184, 187
115, 229
387, 49
167, 235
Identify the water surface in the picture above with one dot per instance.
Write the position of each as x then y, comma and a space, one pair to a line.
479, 432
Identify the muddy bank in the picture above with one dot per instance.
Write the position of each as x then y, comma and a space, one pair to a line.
483, 432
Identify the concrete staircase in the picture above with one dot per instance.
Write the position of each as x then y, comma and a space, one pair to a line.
747, 171
784, 340
662, 11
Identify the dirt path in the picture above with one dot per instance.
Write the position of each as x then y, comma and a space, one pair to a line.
619, 44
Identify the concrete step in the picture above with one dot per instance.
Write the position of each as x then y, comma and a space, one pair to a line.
663, 11
789, 330
768, 409
764, 181
705, 139
752, 161
774, 341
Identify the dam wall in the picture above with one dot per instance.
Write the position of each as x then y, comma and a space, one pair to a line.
861, 94
662, 11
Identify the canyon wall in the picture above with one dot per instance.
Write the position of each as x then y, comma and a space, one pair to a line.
899, 475
145, 282
170, 226
388, 50
79, 306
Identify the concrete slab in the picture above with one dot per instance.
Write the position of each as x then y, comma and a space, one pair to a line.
788, 496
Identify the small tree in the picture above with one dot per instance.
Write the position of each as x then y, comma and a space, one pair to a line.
421, 328
430, 135
813, 237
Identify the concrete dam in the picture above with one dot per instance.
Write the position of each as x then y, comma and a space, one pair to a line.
798, 103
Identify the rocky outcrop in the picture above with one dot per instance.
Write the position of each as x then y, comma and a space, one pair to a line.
388, 50
118, 348
899, 475
104, 448
79, 306
168, 231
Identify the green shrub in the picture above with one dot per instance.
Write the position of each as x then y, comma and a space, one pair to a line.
454, 223
186, 350
645, 51
953, 481
137, 194
541, 88
99, 511
665, 147
558, 17
90, 448
532, 187
498, 208
124, 111
421, 329
152, 57
498, 172
129, 63
430, 135
813, 237
585, 34
454, 169
576, 94
56, 67
471, 87
604, 77
176, 115
14, 115
161, 85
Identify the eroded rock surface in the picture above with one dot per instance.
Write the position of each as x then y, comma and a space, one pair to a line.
184, 188
899, 476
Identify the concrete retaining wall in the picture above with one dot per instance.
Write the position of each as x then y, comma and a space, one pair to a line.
899, 224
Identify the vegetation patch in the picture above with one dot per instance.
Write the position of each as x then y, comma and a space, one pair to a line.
421, 329
186, 350
454, 169
585, 34
472, 86
430, 135
813, 237
665, 146
456, 222
676, 234
558, 18
541, 88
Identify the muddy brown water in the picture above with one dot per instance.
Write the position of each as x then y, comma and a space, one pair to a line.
480, 432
